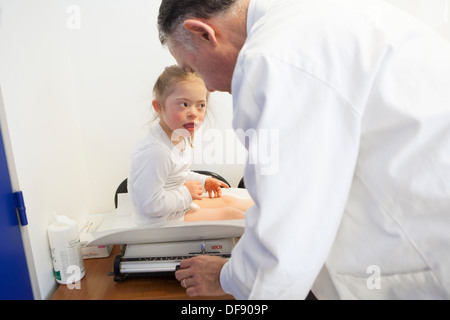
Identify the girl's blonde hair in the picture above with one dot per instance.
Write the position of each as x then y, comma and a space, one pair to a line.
167, 81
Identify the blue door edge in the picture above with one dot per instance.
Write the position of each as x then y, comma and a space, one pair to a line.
30, 262
24, 233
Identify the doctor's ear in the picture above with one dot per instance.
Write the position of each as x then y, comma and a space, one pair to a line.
201, 30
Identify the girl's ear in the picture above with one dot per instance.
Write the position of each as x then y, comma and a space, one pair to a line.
157, 106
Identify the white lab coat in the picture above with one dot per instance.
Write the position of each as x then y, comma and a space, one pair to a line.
358, 191
157, 176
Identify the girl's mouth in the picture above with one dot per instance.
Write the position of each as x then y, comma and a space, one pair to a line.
190, 126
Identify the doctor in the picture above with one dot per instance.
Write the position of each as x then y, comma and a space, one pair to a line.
358, 94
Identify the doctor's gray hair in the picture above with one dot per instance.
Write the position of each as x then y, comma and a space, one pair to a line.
172, 14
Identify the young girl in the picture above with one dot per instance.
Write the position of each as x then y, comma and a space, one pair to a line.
160, 184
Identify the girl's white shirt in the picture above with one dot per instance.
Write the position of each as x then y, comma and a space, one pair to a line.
157, 176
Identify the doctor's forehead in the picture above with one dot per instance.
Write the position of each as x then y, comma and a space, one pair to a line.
180, 56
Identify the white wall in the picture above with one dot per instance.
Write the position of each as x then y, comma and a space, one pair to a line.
76, 79
37, 83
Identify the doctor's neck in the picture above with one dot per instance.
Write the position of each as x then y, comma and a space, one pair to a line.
233, 23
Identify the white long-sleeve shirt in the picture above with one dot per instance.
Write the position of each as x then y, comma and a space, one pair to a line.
356, 199
157, 176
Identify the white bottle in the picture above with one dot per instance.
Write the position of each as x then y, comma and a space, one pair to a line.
65, 248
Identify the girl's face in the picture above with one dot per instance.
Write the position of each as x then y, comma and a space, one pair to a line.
185, 106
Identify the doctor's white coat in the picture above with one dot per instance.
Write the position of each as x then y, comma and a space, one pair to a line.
355, 196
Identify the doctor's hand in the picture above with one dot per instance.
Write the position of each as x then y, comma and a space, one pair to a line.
195, 189
200, 276
213, 187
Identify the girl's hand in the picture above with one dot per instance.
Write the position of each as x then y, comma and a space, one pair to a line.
213, 187
195, 189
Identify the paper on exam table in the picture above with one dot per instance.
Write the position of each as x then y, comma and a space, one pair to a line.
119, 227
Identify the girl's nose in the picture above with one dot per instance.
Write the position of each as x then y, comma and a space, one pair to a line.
192, 113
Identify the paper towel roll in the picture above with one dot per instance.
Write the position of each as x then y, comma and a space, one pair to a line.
65, 248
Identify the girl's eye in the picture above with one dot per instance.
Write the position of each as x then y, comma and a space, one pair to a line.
202, 106
183, 104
